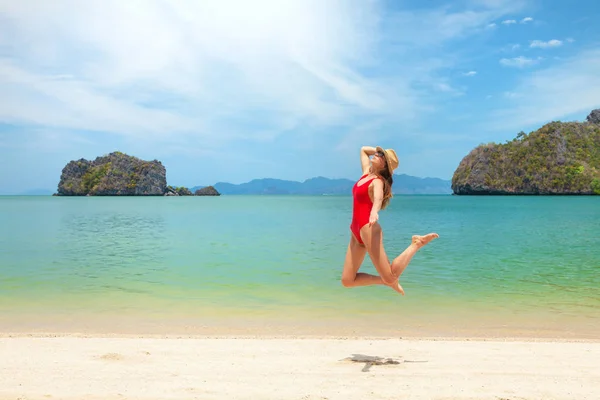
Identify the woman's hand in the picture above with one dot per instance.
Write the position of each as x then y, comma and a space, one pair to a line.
373, 218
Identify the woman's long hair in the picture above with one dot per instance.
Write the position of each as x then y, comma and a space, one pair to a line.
388, 181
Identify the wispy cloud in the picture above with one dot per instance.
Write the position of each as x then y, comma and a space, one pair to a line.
437, 25
509, 22
188, 68
554, 92
519, 62
510, 47
544, 45
445, 87
355, 136
185, 78
183, 71
526, 20
512, 95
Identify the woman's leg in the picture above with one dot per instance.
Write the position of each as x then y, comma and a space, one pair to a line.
355, 256
401, 262
390, 272
373, 239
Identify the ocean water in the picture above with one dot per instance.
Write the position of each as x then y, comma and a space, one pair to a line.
502, 265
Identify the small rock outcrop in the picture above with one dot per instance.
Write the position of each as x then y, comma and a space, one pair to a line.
207, 191
559, 158
594, 117
115, 174
177, 191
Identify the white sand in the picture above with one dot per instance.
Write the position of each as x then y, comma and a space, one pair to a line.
71, 367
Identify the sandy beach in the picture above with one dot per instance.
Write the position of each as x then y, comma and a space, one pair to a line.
169, 367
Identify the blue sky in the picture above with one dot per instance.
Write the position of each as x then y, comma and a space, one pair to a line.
233, 90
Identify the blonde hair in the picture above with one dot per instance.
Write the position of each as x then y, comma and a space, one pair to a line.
388, 181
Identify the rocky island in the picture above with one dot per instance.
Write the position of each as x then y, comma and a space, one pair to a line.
116, 174
207, 191
560, 158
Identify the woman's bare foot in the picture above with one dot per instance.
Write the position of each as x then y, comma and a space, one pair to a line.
421, 241
397, 287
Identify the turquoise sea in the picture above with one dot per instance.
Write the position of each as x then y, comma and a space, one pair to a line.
271, 264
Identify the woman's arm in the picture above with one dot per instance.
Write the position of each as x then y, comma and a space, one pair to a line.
377, 201
365, 152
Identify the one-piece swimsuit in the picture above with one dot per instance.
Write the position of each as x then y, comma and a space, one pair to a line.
362, 205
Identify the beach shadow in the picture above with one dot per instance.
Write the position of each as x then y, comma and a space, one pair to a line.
369, 361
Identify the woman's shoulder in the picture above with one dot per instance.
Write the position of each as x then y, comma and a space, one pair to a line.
376, 181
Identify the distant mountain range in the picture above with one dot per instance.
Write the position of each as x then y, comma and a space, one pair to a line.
403, 184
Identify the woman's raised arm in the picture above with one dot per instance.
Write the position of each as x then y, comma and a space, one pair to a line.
365, 153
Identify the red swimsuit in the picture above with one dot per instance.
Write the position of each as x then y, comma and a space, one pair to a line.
361, 211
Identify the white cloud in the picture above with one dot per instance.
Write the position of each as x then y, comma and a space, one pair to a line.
519, 62
444, 87
420, 28
355, 137
554, 92
160, 68
470, 73
492, 25
526, 20
201, 75
545, 45
512, 95
510, 48
76, 105
509, 22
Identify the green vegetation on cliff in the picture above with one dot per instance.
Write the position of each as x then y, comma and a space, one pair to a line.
558, 158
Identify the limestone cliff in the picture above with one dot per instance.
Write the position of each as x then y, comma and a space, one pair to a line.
558, 158
115, 174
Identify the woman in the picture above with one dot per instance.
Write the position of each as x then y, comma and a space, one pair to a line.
372, 192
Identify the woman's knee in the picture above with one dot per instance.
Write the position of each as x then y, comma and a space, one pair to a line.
347, 281
389, 279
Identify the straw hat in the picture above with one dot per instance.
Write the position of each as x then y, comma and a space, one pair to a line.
390, 157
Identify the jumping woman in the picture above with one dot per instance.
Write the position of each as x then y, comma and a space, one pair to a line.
372, 193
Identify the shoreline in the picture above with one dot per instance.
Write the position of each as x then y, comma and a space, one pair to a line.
307, 333
286, 337
452, 327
